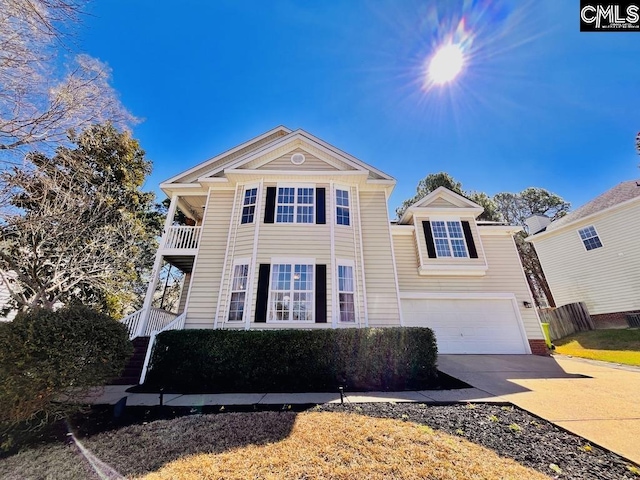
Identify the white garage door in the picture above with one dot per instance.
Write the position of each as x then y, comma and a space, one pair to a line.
468, 325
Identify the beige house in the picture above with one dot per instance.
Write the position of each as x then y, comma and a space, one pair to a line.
291, 232
592, 255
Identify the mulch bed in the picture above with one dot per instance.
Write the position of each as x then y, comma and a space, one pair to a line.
530, 441
507, 430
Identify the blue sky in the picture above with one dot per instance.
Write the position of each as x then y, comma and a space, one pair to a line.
538, 103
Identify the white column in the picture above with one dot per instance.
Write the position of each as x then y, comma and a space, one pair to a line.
157, 265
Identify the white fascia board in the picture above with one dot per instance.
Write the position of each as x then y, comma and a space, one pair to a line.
183, 189
583, 220
299, 136
301, 173
424, 212
347, 158
228, 152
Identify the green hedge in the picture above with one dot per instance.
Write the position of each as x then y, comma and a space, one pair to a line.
45, 355
293, 360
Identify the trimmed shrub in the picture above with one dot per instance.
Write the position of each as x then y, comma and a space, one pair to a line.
293, 360
45, 355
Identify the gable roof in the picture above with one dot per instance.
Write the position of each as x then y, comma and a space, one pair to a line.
454, 201
621, 193
250, 145
272, 140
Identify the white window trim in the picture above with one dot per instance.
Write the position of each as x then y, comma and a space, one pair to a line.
597, 235
237, 262
464, 240
346, 263
295, 204
336, 206
293, 261
246, 187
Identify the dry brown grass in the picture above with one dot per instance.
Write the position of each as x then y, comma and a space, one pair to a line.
347, 446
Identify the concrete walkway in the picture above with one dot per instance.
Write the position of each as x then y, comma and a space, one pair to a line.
598, 401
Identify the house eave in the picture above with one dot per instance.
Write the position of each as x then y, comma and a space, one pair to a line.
580, 221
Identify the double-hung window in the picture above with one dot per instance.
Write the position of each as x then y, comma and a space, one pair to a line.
295, 205
449, 239
342, 207
291, 295
238, 292
345, 293
590, 238
249, 205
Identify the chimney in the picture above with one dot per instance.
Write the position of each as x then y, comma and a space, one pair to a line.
537, 223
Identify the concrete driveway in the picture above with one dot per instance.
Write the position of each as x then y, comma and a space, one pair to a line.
597, 401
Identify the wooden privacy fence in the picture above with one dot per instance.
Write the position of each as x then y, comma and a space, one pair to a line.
567, 319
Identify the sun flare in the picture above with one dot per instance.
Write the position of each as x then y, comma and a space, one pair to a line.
446, 64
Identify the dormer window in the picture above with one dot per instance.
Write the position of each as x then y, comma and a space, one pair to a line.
449, 239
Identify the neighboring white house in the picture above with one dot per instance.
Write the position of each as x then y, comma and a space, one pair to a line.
592, 255
291, 232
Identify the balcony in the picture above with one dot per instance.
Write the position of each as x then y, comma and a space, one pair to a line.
181, 240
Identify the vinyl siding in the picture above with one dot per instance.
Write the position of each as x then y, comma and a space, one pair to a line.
184, 292
208, 266
607, 279
442, 203
291, 241
504, 275
311, 162
382, 299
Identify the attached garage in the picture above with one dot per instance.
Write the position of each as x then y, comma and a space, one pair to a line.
467, 324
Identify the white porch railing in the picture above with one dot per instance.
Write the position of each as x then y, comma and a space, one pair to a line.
176, 324
156, 320
182, 238
133, 322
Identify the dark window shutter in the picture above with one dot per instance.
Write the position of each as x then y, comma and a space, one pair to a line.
321, 294
321, 214
471, 246
270, 205
263, 293
431, 247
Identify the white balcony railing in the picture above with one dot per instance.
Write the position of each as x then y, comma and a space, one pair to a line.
182, 238
156, 321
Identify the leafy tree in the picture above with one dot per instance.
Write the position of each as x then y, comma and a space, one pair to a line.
515, 208
79, 227
39, 100
46, 356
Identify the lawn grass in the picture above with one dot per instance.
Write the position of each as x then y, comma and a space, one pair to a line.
268, 445
610, 345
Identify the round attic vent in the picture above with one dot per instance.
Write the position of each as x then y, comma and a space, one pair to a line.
297, 159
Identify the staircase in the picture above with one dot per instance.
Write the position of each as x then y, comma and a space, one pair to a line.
133, 369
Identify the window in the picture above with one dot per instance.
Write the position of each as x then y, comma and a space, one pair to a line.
249, 205
295, 205
345, 294
342, 207
238, 292
291, 296
590, 238
449, 239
